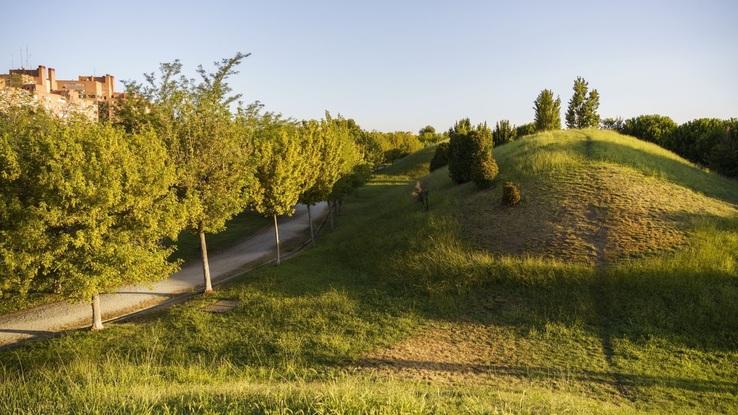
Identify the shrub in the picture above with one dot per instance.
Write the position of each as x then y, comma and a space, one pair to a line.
440, 158
484, 172
510, 194
460, 151
654, 128
504, 133
484, 168
525, 129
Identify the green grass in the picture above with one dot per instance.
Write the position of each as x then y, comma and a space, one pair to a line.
404, 311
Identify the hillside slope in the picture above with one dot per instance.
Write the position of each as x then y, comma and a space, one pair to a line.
467, 308
596, 196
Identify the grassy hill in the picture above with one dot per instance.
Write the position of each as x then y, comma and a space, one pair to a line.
612, 288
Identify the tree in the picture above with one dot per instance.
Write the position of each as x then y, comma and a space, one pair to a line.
282, 171
525, 129
654, 128
211, 154
427, 135
583, 106
547, 111
484, 169
590, 117
503, 133
611, 123
460, 151
440, 157
84, 207
335, 156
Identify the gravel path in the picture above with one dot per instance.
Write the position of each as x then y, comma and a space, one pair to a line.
51, 318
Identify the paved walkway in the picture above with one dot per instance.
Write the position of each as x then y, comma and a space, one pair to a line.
51, 318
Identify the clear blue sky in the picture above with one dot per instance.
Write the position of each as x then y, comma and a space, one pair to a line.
403, 64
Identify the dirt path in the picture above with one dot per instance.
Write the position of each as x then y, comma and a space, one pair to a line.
52, 318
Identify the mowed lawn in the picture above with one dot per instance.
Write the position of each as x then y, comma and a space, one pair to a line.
612, 288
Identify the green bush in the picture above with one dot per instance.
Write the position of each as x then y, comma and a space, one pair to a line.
484, 167
654, 128
460, 151
696, 139
510, 194
484, 172
440, 158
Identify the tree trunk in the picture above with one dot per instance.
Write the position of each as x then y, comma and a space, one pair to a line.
276, 237
331, 209
205, 264
96, 313
310, 219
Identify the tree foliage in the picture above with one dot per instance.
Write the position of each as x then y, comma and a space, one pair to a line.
460, 151
84, 207
503, 133
654, 128
583, 106
547, 111
440, 157
483, 170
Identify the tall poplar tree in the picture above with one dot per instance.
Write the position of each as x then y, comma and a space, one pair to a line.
583, 106
547, 111
84, 207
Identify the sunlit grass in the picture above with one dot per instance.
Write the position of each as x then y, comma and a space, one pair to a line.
402, 311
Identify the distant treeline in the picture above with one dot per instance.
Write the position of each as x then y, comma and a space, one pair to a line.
710, 142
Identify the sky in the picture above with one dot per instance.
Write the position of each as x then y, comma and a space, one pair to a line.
400, 65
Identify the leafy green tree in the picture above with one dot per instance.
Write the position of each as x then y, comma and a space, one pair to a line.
283, 172
583, 106
547, 111
724, 156
503, 133
696, 140
212, 157
654, 128
336, 155
427, 135
84, 207
590, 117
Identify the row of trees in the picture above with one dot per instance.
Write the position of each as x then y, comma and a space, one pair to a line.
86, 207
710, 142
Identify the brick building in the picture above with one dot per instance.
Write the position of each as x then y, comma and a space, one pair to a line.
85, 95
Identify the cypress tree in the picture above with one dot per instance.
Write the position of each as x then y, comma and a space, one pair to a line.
460, 151
504, 133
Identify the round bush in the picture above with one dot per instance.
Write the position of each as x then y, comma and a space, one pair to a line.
510, 194
484, 172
